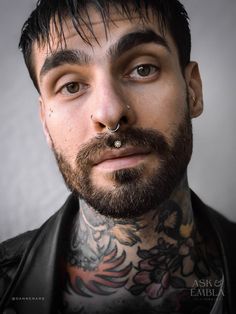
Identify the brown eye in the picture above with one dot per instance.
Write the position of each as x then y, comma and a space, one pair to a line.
144, 71
72, 88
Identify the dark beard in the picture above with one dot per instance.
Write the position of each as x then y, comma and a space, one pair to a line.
134, 194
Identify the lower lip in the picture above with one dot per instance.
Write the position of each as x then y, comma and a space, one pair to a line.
121, 162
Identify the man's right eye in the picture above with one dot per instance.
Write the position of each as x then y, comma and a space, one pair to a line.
71, 88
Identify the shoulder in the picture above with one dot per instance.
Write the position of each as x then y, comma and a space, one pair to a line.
223, 231
11, 252
227, 225
215, 218
13, 248
218, 227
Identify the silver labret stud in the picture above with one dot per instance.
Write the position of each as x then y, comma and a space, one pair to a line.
117, 144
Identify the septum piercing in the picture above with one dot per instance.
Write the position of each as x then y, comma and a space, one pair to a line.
115, 129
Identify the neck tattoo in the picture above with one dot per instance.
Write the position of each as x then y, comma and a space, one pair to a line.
146, 264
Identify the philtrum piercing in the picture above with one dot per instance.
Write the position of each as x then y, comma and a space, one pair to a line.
117, 144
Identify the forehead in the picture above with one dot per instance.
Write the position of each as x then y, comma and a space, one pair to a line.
92, 23
90, 18
93, 33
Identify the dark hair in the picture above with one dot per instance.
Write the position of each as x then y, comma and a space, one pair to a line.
171, 15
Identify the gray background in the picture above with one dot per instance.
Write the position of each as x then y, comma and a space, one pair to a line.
31, 189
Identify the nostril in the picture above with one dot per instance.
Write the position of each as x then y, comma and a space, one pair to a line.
124, 119
101, 125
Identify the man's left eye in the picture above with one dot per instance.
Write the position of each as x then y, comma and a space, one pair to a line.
144, 70
71, 88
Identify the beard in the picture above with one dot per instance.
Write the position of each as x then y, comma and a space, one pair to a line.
132, 192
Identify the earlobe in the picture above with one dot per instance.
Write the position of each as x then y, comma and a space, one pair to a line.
42, 115
194, 87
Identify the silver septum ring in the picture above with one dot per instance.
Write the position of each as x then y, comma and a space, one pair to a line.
115, 129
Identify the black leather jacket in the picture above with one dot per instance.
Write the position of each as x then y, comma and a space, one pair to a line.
30, 268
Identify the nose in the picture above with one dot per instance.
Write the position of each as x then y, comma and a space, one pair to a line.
111, 107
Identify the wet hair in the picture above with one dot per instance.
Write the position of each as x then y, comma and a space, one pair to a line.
171, 15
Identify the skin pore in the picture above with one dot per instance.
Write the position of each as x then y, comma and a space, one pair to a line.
122, 258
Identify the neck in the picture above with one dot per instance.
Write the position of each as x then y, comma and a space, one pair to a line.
171, 221
154, 253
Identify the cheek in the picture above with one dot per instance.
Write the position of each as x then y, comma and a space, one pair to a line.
67, 131
161, 107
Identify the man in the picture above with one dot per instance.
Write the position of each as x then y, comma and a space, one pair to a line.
117, 95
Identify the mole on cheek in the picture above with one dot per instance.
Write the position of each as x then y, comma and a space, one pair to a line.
51, 112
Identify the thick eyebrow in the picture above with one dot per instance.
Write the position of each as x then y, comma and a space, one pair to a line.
135, 39
125, 43
61, 57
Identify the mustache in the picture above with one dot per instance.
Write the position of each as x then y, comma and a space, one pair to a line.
145, 138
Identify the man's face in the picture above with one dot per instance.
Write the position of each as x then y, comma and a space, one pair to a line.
130, 76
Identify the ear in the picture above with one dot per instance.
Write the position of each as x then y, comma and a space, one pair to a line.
194, 86
42, 114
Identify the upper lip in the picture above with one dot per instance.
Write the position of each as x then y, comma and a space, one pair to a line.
119, 153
